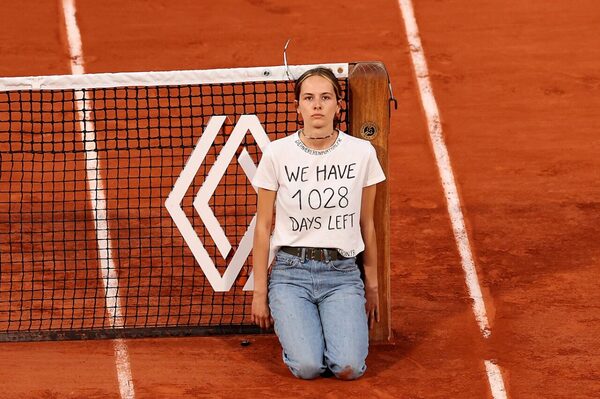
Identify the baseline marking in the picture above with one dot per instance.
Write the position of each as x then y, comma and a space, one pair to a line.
451, 193
98, 199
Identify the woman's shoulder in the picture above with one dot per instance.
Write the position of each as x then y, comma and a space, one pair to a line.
357, 143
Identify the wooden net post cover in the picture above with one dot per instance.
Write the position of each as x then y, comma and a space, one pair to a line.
370, 119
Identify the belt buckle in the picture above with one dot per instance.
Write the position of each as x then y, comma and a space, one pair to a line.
315, 253
320, 254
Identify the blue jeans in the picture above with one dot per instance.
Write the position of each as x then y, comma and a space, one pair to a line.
319, 313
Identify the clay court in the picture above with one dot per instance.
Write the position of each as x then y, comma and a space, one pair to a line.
517, 85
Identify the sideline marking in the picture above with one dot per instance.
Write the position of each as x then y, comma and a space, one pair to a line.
98, 199
443, 163
495, 379
451, 193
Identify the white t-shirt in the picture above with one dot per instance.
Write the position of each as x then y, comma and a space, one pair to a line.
319, 192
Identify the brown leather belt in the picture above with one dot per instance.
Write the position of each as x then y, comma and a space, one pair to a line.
320, 254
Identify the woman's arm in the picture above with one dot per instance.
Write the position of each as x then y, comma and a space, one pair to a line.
260, 257
367, 228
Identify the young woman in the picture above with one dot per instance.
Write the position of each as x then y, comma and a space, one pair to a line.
322, 183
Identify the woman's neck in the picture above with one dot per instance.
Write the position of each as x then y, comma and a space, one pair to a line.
318, 139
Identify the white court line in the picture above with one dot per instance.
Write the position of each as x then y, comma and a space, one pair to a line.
443, 163
495, 380
98, 200
445, 170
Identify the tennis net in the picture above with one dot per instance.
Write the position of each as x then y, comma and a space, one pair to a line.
126, 207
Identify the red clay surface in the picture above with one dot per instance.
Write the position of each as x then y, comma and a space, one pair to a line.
518, 89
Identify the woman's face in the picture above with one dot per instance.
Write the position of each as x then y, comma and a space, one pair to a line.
317, 103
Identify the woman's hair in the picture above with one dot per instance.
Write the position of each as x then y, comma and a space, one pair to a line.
323, 72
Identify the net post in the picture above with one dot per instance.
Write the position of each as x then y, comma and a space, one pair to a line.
370, 119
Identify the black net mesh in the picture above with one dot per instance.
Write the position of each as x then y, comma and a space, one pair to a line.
53, 252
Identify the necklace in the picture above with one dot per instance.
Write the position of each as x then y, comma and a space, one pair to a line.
317, 138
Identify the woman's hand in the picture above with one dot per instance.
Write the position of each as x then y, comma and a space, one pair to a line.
372, 305
261, 316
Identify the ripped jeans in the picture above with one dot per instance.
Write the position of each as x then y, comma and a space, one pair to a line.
319, 313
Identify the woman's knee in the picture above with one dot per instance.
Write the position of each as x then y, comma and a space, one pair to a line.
306, 364
347, 367
307, 370
350, 372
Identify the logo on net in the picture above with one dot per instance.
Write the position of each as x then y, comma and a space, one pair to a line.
245, 124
